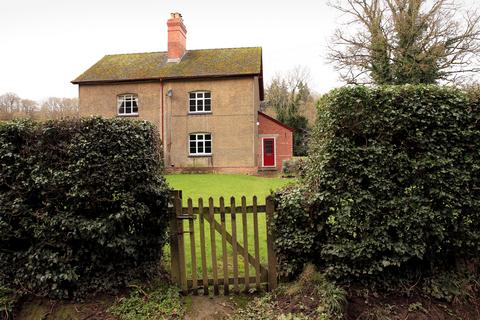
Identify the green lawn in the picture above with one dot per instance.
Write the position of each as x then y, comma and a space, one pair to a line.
227, 185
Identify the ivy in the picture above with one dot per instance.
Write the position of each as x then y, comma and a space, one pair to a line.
83, 205
391, 184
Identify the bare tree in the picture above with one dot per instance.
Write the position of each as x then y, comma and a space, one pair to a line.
405, 41
28, 107
9, 105
56, 108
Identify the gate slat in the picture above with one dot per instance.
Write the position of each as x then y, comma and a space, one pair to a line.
256, 242
226, 289
213, 246
245, 244
202, 248
234, 245
192, 247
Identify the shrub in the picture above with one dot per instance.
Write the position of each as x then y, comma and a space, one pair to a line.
392, 183
83, 205
292, 167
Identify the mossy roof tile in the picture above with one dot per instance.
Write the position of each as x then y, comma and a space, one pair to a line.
195, 63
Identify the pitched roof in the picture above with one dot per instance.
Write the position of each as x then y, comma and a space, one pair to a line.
260, 113
194, 64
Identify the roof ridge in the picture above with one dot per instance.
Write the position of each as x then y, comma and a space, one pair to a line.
208, 49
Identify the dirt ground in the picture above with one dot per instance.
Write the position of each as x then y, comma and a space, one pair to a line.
396, 308
50, 310
206, 308
197, 307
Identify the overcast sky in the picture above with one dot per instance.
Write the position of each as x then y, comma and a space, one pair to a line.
47, 43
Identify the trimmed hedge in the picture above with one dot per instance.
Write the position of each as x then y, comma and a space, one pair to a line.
83, 205
391, 186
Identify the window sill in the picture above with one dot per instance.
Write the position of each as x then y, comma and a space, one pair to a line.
127, 115
199, 113
200, 155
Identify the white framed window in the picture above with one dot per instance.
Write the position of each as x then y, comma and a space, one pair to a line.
200, 102
127, 105
200, 144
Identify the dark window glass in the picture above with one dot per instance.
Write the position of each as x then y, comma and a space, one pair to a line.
207, 94
192, 95
200, 147
269, 146
208, 137
193, 137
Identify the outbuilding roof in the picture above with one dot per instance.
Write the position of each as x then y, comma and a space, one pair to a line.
194, 64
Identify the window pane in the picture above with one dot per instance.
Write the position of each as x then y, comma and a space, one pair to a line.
207, 94
199, 94
192, 151
200, 147
128, 109
208, 137
121, 109
193, 137
135, 105
200, 103
192, 144
208, 149
192, 95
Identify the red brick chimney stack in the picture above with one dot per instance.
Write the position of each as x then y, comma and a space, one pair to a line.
177, 37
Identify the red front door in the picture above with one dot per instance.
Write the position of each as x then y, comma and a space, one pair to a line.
268, 152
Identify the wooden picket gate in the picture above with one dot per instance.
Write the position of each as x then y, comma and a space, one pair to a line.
262, 276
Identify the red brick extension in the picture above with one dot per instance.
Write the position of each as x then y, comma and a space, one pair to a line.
270, 127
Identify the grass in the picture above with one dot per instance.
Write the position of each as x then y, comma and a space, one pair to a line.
227, 185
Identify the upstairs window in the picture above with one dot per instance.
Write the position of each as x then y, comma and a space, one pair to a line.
127, 105
200, 144
200, 102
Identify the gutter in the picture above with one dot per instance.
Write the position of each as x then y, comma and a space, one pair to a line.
165, 78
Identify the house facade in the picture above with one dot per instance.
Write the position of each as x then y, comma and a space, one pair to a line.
204, 102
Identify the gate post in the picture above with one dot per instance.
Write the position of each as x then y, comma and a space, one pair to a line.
272, 258
174, 256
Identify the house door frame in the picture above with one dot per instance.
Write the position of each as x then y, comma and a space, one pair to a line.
274, 152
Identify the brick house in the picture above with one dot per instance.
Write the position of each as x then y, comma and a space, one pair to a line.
204, 102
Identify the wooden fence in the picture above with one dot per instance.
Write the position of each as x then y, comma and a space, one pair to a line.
255, 274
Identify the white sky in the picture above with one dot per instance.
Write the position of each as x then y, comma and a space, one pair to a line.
44, 44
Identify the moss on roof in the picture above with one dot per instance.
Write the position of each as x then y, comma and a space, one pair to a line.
195, 63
